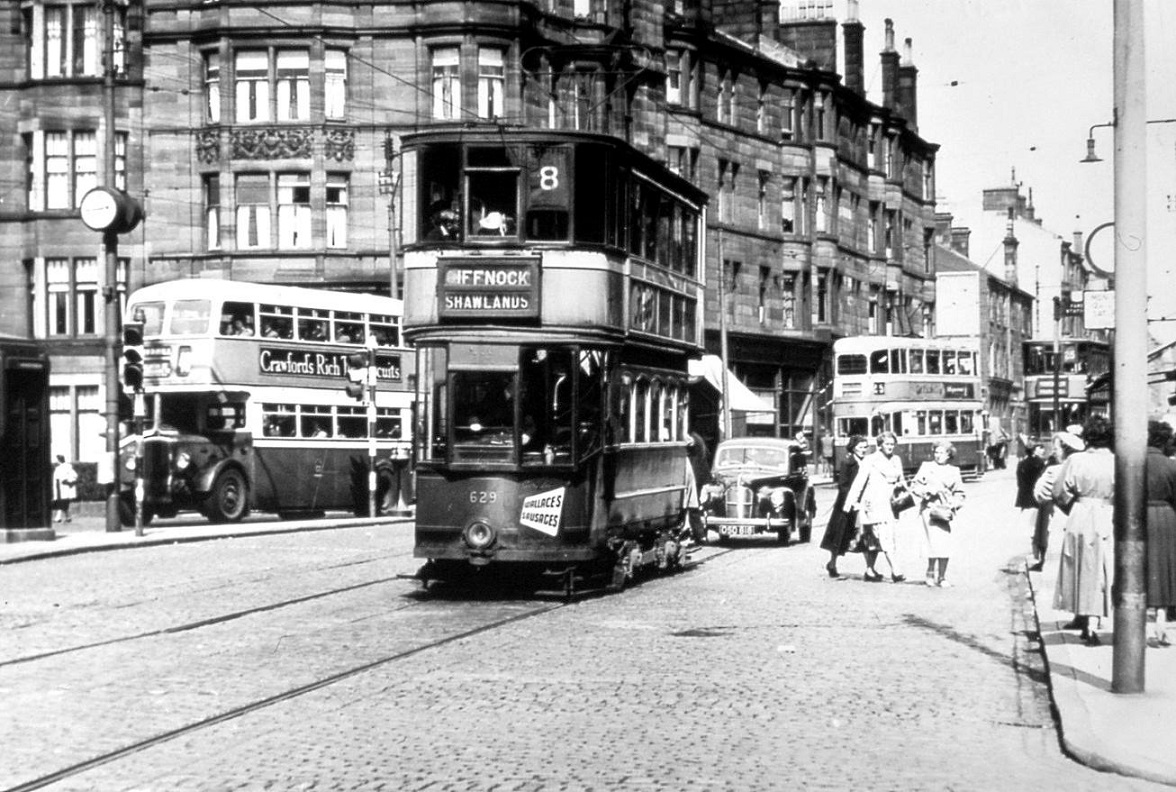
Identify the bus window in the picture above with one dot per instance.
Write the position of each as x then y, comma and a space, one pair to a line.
237, 319
896, 424
351, 422
932, 361
348, 328
935, 422
388, 423
877, 425
278, 420
385, 330
312, 324
898, 361
851, 364
949, 361
190, 317
229, 415
880, 362
277, 321
315, 421
915, 358
951, 422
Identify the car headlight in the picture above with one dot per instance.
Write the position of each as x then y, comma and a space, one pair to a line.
777, 499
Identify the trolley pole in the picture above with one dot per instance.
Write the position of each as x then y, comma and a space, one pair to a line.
1130, 348
725, 415
1057, 365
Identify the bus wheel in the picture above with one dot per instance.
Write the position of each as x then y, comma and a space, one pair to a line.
228, 501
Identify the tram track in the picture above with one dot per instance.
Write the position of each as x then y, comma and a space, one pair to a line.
250, 708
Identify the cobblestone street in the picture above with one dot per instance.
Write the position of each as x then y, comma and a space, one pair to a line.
751, 671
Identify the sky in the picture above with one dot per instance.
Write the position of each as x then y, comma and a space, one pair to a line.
1013, 86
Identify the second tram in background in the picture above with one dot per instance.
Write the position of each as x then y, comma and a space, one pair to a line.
553, 294
1065, 386
923, 390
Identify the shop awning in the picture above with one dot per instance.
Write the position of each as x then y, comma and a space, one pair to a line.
710, 368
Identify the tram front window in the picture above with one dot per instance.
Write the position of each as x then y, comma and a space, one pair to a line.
483, 414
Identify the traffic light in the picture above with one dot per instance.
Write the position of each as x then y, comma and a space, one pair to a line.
359, 370
132, 353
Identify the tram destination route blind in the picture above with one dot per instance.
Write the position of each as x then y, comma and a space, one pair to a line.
489, 290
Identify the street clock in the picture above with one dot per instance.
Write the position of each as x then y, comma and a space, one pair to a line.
104, 209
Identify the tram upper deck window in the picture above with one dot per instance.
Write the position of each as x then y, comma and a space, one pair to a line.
439, 176
967, 363
492, 192
915, 358
933, 361
595, 202
880, 361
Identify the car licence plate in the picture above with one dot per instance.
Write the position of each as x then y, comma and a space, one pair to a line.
740, 530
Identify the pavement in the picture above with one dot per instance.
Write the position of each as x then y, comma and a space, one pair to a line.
1129, 734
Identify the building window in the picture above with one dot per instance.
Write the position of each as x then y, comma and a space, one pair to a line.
446, 83
57, 170
335, 99
761, 110
293, 85
65, 40
788, 207
294, 210
684, 162
72, 307
491, 83
212, 207
674, 77
765, 178
337, 184
252, 75
85, 169
253, 212
787, 116
120, 160
212, 87
822, 209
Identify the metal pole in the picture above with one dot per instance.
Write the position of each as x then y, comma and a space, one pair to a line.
1057, 366
1130, 348
140, 485
725, 428
371, 426
110, 275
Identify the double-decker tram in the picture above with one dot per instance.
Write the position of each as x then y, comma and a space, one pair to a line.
923, 390
553, 286
247, 404
1066, 381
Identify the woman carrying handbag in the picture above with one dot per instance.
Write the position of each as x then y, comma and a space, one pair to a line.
940, 490
879, 475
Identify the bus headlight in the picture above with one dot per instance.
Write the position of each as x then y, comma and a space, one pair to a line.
183, 460
478, 535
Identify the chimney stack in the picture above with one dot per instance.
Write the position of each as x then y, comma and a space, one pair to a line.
960, 239
854, 33
1010, 252
889, 69
908, 81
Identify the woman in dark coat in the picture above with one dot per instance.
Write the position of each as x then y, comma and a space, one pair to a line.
840, 530
1028, 472
1161, 528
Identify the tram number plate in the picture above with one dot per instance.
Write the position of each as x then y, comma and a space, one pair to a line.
741, 530
483, 496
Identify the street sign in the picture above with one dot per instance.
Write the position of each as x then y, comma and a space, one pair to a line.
1099, 310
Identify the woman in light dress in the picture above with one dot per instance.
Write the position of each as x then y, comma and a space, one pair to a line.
1083, 491
878, 475
940, 490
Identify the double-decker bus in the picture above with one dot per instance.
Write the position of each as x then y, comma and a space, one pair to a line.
553, 293
1066, 381
247, 408
923, 390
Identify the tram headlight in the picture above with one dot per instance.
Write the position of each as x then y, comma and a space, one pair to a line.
478, 535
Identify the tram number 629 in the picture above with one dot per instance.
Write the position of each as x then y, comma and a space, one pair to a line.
483, 496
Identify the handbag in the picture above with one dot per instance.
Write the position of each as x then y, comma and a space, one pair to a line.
941, 513
901, 499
